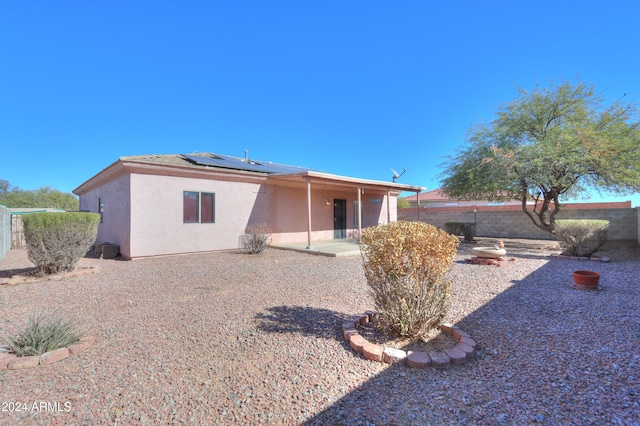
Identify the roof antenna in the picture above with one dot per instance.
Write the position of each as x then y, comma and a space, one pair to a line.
397, 175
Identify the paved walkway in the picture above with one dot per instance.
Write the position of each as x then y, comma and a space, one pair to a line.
334, 248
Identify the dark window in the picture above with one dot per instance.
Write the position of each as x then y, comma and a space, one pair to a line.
190, 207
356, 218
207, 204
101, 209
199, 207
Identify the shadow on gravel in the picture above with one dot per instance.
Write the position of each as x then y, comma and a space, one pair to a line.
546, 354
8, 273
304, 320
509, 257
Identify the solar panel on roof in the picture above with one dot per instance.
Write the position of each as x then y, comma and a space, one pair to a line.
227, 162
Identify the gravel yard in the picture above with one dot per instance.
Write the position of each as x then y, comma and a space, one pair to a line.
228, 338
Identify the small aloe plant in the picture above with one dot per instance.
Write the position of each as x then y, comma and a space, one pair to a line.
43, 333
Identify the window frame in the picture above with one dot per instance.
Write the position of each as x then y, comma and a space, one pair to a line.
355, 212
198, 196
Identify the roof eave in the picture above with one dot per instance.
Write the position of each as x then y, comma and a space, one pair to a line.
311, 174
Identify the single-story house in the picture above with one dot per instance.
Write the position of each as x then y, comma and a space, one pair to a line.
437, 198
165, 204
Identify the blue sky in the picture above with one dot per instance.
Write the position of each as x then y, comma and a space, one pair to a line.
347, 87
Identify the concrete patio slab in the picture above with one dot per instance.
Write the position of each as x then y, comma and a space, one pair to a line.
333, 248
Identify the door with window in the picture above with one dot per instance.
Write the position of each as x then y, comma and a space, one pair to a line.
339, 219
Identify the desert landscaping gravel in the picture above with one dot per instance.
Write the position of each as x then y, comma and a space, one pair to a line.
227, 338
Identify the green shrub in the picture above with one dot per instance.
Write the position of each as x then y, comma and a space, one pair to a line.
581, 237
256, 239
43, 334
467, 229
57, 241
405, 264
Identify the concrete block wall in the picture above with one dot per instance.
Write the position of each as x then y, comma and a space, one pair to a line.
623, 223
508, 224
514, 223
438, 218
5, 231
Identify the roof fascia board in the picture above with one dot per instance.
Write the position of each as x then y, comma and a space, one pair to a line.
121, 168
109, 173
201, 173
347, 181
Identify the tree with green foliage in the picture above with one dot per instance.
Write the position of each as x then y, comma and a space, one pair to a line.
548, 144
45, 197
403, 203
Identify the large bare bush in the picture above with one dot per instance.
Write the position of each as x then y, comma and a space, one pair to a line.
256, 239
406, 264
57, 241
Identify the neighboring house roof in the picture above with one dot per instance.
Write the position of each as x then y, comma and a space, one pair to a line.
438, 195
434, 195
218, 162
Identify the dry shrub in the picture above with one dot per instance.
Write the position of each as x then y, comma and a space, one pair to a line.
581, 237
406, 264
256, 239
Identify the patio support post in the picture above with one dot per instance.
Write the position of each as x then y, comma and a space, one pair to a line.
360, 190
389, 207
309, 213
418, 204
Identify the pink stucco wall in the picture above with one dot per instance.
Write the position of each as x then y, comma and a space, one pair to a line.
143, 212
116, 225
157, 226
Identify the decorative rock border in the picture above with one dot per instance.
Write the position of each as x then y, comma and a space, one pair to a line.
12, 362
500, 262
457, 355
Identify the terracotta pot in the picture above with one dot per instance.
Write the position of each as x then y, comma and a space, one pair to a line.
586, 279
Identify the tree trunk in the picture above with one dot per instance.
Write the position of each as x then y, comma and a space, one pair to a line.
540, 218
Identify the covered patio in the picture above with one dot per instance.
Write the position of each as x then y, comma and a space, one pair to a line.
368, 202
333, 248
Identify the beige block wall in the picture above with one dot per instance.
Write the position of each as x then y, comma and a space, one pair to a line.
623, 223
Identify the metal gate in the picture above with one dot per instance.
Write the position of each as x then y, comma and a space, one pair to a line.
17, 234
5, 231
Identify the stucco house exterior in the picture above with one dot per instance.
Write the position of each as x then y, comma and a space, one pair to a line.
165, 204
